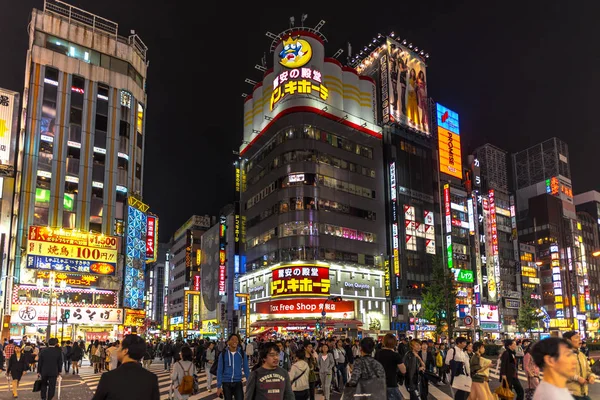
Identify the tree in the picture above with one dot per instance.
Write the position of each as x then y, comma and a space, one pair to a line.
529, 316
439, 299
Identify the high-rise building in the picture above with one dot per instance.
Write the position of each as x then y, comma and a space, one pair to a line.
313, 193
504, 248
80, 166
547, 219
184, 265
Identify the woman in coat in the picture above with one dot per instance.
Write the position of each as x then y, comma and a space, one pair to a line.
76, 357
17, 365
326, 363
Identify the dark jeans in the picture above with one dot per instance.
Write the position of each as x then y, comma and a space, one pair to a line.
233, 390
520, 361
341, 370
311, 390
48, 386
516, 385
67, 363
582, 397
302, 395
461, 395
393, 393
168, 360
424, 387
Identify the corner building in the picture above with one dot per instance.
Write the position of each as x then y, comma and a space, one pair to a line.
80, 169
312, 194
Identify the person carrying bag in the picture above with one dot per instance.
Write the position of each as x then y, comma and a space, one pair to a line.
503, 391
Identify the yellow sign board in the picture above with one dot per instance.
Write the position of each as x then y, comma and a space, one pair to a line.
39, 248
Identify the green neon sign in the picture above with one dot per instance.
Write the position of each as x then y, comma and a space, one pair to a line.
43, 196
464, 275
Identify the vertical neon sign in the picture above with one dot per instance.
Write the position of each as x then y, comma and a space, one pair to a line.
448, 224
395, 241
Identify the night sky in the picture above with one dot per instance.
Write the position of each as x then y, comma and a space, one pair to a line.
517, 72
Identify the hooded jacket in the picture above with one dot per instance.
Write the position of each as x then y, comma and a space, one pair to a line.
230, 365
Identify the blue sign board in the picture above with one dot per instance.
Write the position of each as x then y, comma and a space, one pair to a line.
71, 265
447, 119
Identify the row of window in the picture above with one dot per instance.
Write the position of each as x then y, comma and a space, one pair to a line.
90, 56
311, 203
310, 180
309, 132
312, 156
306, 228
304, 253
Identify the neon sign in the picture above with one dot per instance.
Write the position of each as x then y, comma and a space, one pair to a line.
298, 81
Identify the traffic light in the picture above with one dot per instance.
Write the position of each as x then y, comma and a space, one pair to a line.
318, 325
337, 299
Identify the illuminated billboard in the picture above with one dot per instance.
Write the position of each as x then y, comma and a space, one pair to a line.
151, 238
9, 103
295, 53
135, 254
449, 141
404, 88
305, 308
488, 313
300, 280
70, 265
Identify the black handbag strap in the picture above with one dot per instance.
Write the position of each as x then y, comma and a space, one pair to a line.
299, 376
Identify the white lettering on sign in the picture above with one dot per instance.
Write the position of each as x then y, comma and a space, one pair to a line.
356, 285
296, 178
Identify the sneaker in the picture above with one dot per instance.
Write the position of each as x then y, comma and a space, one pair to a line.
209, 390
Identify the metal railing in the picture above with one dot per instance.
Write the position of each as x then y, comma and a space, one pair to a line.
83, 17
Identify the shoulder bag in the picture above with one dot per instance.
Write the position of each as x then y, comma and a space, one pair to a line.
462, 382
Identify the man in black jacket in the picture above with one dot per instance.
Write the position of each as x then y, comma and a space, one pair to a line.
117, 384
49, 368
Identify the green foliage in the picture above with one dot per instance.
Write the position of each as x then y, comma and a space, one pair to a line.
439, 298
529, 316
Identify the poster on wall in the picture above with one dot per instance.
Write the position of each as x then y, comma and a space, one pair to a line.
209, 274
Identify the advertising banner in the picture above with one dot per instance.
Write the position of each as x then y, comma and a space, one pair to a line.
134, 317
151, 238
86, 280
406, 102
488, 313
74, 315
449, 142
306, 308
72, 237
71, 265
9, 103
38, 248
100, 336
300, 280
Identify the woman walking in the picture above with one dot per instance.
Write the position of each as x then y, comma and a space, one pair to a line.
299, 375
181, 369
210, 356
326, 363
480, 374
76, 357
532, 371
17, 364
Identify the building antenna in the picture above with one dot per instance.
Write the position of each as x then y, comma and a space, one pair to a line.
292, 20
303, 18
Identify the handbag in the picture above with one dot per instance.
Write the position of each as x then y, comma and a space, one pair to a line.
373, 387
462, 382
37, 385
504, 392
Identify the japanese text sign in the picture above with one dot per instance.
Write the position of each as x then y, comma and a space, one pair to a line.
151, 238
300, 280
298, 81
39, 248
71, 265
72, 237
305, 307
73, 315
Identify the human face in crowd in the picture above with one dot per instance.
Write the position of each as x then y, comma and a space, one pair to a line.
415, 346
513, 346
308, 349
470, 347
566, 363
424, 346
576, 341
461, 345
272, 360
339, 344
324, 349
280, 345
233, 343
481, 350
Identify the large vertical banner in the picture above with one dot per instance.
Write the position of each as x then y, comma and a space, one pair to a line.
449, 141
9, 103
135, 255
394, 218
448, 218
404, 88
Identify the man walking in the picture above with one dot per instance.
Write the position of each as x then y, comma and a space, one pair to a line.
49, 368
578, 383
556, 358
231, 363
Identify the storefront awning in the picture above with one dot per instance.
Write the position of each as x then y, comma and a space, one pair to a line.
335, 323
260, 331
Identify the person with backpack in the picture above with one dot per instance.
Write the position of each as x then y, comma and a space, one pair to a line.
270, 381
167, 355
183, 377
230, 364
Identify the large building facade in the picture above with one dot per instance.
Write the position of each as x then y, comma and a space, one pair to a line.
548, 220
312, 202
80, 169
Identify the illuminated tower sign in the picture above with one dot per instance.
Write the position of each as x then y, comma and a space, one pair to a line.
449, 142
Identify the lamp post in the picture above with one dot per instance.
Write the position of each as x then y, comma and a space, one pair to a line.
415, 308
335, 299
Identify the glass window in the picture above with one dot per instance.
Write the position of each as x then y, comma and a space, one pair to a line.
75, 116
119, 66
105, 61
101, 122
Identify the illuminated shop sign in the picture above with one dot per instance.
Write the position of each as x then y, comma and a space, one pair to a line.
134, 317
395, 234
471, 216
449, 142
72, 237
9, 102
197, 282
448, 224
27, 314
42, 196
306, 307
295, 53
46, 249
296, 178
463, 275
300, 280
222, 255
70, 265
298, 81
387, 279
512, 303
488, 313
71, 279
357, 286
151, 238
488, 259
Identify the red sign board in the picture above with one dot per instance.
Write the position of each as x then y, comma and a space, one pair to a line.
300, 280
197, 282
100, 336
221, 280
151, 238
304, 306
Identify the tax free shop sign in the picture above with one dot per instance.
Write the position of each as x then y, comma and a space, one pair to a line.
305, 308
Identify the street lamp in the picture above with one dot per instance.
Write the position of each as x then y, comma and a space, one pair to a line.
415, 308
335, 299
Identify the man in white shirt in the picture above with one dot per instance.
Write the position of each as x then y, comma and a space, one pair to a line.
556, 358
454, 357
